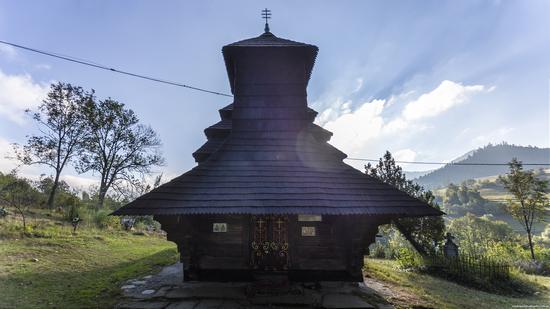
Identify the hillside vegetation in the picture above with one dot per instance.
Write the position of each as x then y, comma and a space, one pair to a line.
484, 196
407, 289
501, 153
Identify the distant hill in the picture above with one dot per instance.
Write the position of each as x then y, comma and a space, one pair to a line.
501, 153
416, 174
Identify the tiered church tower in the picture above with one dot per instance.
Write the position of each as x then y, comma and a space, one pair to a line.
269, 194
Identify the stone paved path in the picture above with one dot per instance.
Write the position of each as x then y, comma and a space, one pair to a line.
166, 291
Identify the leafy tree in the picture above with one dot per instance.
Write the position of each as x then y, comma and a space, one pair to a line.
20, 195
423, 233
451, 195
465, 198
118, 146
63, 191
529, 202
476, 235
61, 128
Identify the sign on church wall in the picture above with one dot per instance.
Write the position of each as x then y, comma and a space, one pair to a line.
310, 218
309, 231
219, 227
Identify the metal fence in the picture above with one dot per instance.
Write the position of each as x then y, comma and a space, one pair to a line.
469, 267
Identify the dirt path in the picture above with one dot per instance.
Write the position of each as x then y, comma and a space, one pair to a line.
392, 294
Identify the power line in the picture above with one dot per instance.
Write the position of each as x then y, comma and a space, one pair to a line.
448, 163
103, 67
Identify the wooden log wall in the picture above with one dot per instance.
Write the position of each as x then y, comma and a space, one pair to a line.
339, 245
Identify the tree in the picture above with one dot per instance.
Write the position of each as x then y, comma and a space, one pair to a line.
118, 146
529, 202
477, 234
61, 131
422, 232
465, 198
137, 187
20, 195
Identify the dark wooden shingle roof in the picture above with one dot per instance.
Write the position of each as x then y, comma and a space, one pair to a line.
266, 156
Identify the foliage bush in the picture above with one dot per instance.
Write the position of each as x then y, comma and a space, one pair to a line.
103, 220
149, 222
390, 242
409, 259
465, 198
424, 233
476, 235
377, 251
73, 210
533, 267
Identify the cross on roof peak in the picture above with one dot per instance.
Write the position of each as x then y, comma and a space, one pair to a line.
266, 14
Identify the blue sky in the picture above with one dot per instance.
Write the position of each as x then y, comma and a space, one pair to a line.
427, 80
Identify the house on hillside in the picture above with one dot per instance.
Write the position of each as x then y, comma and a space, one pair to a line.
269, 194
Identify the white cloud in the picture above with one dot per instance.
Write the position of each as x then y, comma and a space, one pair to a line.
356, 130
404, 155
79, 182
353, 129
447, 95
335, 110
18, 93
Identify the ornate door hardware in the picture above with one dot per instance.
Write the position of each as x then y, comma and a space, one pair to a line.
269, 242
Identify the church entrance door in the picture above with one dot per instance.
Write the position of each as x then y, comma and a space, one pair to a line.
269, 242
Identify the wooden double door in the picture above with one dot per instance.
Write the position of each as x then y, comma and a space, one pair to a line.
269, 242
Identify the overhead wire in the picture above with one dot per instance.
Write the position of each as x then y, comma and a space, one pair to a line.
155, 79
448, 163
107, 68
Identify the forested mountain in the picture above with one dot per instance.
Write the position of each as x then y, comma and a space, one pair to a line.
501, 153
416, 174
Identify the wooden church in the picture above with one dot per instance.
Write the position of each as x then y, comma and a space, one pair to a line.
269, 194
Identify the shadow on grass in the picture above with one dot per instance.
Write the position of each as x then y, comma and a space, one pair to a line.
448, 294
96, 288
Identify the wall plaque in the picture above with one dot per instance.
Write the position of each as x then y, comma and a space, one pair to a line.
310, 218
219, 227
308, 231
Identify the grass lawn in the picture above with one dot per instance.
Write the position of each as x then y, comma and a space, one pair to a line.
60, 270
433, 292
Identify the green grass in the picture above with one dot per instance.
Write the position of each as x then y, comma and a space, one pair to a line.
439, 293
84, 270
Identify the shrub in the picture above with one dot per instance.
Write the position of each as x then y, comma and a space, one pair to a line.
520, 257
378, 251
533, 267
408, 259
86, 216
103, 220
148, 223
72, 212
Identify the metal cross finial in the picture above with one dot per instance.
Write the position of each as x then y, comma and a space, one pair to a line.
266, 14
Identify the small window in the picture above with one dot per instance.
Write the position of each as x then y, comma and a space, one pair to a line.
310, 218
309, 231
219, 227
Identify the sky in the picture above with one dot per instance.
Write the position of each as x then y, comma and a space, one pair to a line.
426, 80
